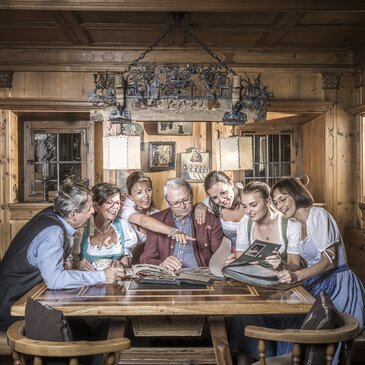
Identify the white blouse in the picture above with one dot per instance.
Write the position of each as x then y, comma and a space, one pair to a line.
322, 232
293, 232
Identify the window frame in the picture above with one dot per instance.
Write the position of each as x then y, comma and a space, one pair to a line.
85, 128
292, 160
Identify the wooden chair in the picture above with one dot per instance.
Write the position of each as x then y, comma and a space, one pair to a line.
346, 333
21, 346
4, 348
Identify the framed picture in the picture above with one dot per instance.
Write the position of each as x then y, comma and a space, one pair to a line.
195, 165
175, 128
131, 129
161, 156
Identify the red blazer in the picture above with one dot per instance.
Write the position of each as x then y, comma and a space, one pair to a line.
208, 238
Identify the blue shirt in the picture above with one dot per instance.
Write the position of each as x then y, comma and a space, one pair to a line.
46, 252
185, 253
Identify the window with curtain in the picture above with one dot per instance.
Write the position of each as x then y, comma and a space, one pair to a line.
271, 157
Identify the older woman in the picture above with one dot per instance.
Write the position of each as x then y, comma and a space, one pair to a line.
139, 201
105, 236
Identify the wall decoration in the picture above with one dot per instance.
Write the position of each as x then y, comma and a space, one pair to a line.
195, 165
131, 129
175, 128
161, 156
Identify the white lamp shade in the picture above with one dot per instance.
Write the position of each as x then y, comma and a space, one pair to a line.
234, 153
122, 152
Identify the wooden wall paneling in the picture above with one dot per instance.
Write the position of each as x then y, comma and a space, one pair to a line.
52, 85
313, 162
9, 173
346, 195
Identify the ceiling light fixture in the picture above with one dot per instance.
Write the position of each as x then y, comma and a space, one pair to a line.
149, 85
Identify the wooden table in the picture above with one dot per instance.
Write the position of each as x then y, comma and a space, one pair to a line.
129, 300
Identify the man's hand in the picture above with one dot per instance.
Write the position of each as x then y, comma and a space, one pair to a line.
84, 265
114, 274
171, 263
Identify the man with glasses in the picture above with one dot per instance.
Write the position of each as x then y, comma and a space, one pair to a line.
164, 251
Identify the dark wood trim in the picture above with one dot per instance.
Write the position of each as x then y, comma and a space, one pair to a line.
357, 110
186, 5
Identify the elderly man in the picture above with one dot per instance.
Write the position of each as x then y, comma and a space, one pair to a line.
162, 250
38, 251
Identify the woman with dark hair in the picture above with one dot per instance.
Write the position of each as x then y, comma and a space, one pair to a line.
224, 200
105, 236
322, 247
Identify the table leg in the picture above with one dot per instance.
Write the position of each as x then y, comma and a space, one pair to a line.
220, 341
117, 328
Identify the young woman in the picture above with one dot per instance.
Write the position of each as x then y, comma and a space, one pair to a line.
264, 223
322, 247
224, 199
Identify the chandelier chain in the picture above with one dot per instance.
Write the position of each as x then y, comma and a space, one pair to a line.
149, 49
210, 52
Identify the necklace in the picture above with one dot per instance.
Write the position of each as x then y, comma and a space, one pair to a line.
268, 233
101, 232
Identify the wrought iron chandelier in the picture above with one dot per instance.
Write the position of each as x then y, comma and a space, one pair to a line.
149, 86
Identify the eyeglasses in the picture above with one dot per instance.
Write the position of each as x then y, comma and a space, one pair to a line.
111, 203
184, 202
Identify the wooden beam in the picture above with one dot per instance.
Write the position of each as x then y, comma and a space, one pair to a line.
70, 23
115, 59
186, 5
280, 26
62, 106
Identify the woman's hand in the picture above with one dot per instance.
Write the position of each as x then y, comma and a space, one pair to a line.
274, 260
287, 277
180, 237
232, 257
84, 265
200, 211
171, 263
125, 261
114, 274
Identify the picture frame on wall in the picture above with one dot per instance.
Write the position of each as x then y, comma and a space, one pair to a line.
195, 165
161, 156
175, 128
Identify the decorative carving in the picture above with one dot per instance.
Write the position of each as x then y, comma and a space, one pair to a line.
358, 78
331, 81
6, 79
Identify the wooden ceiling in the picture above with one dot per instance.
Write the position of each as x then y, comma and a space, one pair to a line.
90, 34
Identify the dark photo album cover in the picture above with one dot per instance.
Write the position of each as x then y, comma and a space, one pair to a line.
258, 251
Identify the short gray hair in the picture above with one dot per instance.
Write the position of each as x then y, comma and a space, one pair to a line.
69, 198
175, 183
